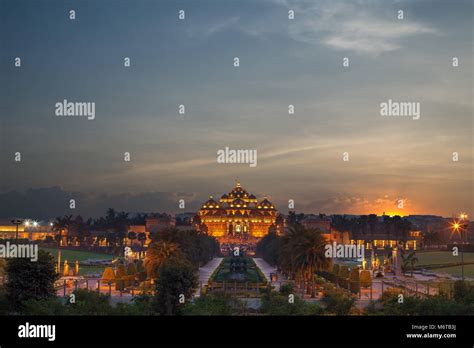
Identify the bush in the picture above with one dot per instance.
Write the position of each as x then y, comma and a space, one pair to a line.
90, 303
287, 289
141, 276
365, 279
446, 289
274, 303
391, 293
463, 292
338, 301
52, 306
108, 275
121, 271
211, 304
354, 281
131, 269
343, 279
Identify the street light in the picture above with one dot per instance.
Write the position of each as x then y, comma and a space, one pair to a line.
17, 222
458, 227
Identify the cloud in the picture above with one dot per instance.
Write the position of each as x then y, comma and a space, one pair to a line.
205, 30
364, 27
48, 203
344, 204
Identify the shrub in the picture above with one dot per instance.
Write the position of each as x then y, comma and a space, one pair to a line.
287, 289
141, 276
121, 271
343, 279
108, 275
354, 281
90, 303
121, 277
338, 301
211, 304
365, 279
463, 292
391, 293
131, 269
446, 289
119, 284
52, 306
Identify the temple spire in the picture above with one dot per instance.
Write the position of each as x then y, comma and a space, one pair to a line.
237, 183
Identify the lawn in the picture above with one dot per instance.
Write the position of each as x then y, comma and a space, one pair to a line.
441, 257
72, 255
456, 270
251, 275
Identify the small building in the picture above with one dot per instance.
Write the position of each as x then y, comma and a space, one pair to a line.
28, 229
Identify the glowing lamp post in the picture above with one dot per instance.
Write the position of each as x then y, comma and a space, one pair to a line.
17, 222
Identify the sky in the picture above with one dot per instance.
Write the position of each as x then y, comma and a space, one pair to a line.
191, 62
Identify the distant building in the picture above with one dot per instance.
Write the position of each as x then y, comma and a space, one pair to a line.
238, 215
375, 231
28, 229
159, 222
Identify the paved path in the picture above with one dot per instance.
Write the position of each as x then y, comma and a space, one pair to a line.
266, 270
206, 271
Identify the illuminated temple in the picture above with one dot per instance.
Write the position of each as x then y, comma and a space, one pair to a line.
238, 215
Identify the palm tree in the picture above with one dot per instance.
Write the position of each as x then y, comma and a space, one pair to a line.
131, 236
61, 224
141, 238
156, 254
409, 259
302, 254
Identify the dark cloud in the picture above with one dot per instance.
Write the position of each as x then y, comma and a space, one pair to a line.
47, 203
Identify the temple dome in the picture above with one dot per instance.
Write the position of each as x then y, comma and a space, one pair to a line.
265, 204
210, 204
238, 203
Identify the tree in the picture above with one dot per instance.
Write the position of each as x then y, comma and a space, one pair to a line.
302, 254
141, 238
131, 236
197, 248
156, 255
408, 261
269, 248
59, 225
176, 282
30, 280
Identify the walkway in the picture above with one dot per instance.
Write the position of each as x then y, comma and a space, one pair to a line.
206, 271
266, 270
